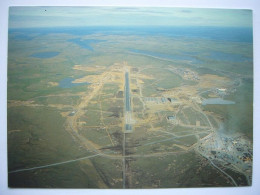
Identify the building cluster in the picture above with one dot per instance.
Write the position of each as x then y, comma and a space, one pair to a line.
72, 113
221, 92
172, 119
231, 151
187, 74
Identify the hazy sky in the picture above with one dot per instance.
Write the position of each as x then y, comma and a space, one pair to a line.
24, 17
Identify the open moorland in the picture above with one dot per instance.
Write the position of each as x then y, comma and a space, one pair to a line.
106, 110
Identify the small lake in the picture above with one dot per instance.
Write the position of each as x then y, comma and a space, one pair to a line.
214, 101
85, 43
68, 83
166, 56
50, 54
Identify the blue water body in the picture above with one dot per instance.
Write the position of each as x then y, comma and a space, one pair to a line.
214, 101
166, 56
221, 56
189, 56
50, 54
67, 83
236, 34
23, 37
85, 43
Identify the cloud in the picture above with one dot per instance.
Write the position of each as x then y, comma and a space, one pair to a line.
99, 16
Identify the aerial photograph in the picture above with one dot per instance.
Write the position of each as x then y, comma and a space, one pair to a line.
129, 97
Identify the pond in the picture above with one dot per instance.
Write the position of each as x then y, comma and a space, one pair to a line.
68, 83
211, 101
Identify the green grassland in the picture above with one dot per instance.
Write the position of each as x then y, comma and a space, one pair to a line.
164, 78
110, 171
36, 137
174, 171
91, 118
193, 116
74, 175
40, 129
37, 133
69, 100
238, 117
96, 135
137, 104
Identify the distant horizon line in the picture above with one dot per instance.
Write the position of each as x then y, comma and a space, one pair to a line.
132, 26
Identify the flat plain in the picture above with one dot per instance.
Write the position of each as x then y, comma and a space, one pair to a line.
189, 123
